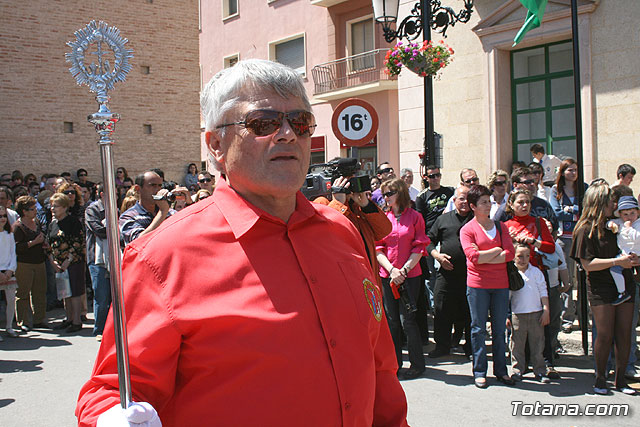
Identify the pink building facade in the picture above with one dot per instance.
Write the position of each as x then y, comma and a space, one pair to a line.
334, 44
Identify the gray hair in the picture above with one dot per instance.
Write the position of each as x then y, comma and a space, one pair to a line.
404, 171
223, 91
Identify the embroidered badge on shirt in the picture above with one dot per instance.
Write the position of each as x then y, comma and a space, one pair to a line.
374, 299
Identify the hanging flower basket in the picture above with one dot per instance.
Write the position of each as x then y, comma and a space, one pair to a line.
424, 59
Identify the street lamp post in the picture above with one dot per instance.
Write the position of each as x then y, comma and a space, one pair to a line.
425, 16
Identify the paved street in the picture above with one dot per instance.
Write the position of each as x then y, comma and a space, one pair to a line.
41, 373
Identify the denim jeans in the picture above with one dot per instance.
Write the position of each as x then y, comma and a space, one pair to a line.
101, 296
393, 308
481, 303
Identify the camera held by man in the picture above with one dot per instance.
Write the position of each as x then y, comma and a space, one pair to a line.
321, 179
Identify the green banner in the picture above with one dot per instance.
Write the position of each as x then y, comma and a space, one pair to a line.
535, 10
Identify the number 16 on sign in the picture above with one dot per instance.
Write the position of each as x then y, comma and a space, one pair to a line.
354, 122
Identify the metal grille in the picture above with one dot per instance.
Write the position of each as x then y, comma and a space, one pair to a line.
367, 67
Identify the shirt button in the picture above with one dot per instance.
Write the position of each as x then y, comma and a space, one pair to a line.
332, 343
313, 280
347, 406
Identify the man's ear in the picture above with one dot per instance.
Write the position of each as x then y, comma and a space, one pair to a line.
214, 144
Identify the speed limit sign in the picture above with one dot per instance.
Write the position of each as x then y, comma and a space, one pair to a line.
354, 122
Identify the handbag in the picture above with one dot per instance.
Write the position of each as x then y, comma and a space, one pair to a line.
516, 282
549, 261
63, 285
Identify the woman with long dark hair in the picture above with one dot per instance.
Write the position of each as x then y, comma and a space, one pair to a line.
596, 248
399, 254
564, 202
488, 247
192, 175
121, 175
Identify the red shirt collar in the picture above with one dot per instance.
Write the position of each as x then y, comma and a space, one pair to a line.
242, 215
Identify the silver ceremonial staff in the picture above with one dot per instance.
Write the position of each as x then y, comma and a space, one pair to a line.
100, 78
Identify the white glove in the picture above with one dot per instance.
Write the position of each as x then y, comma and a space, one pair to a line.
138, 414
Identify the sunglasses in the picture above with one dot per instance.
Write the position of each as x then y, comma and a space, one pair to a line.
69, 192
385, 170
390, 193
434, 175
4, 216
268, 122
471, 180
500, 183
203, 180
527, 182
119, 171
83, 174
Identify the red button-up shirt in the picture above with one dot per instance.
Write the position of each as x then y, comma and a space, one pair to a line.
235, 318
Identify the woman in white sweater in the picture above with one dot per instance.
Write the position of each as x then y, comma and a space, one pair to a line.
8, 264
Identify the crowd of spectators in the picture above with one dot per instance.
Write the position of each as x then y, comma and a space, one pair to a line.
445, 250
528, 217
53, 243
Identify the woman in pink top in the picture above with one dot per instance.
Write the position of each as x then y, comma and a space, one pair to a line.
399, 254
487, 249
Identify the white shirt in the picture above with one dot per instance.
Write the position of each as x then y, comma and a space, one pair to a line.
543, 192
628, 237
450, 204
550, 165
495, 205
12, 216
413, 193
8, 260
529, 298
553, 272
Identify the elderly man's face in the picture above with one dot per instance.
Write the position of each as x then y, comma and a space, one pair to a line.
408, 178
263, 166
460, 202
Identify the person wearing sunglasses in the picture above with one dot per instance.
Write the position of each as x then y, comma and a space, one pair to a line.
468, 178
206, 181
431, 203
498, 183
121, 175
149, 212
399, 254
523, 178
384, 172
543, 191
252, 285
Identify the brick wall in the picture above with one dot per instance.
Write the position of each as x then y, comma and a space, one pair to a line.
38, 94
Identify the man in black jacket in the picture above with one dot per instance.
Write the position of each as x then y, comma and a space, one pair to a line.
96, 240
430, 202
450, 299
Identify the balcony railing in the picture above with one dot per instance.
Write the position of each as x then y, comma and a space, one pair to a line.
363, 68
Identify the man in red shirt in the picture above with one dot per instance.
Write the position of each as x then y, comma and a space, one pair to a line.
253, 307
